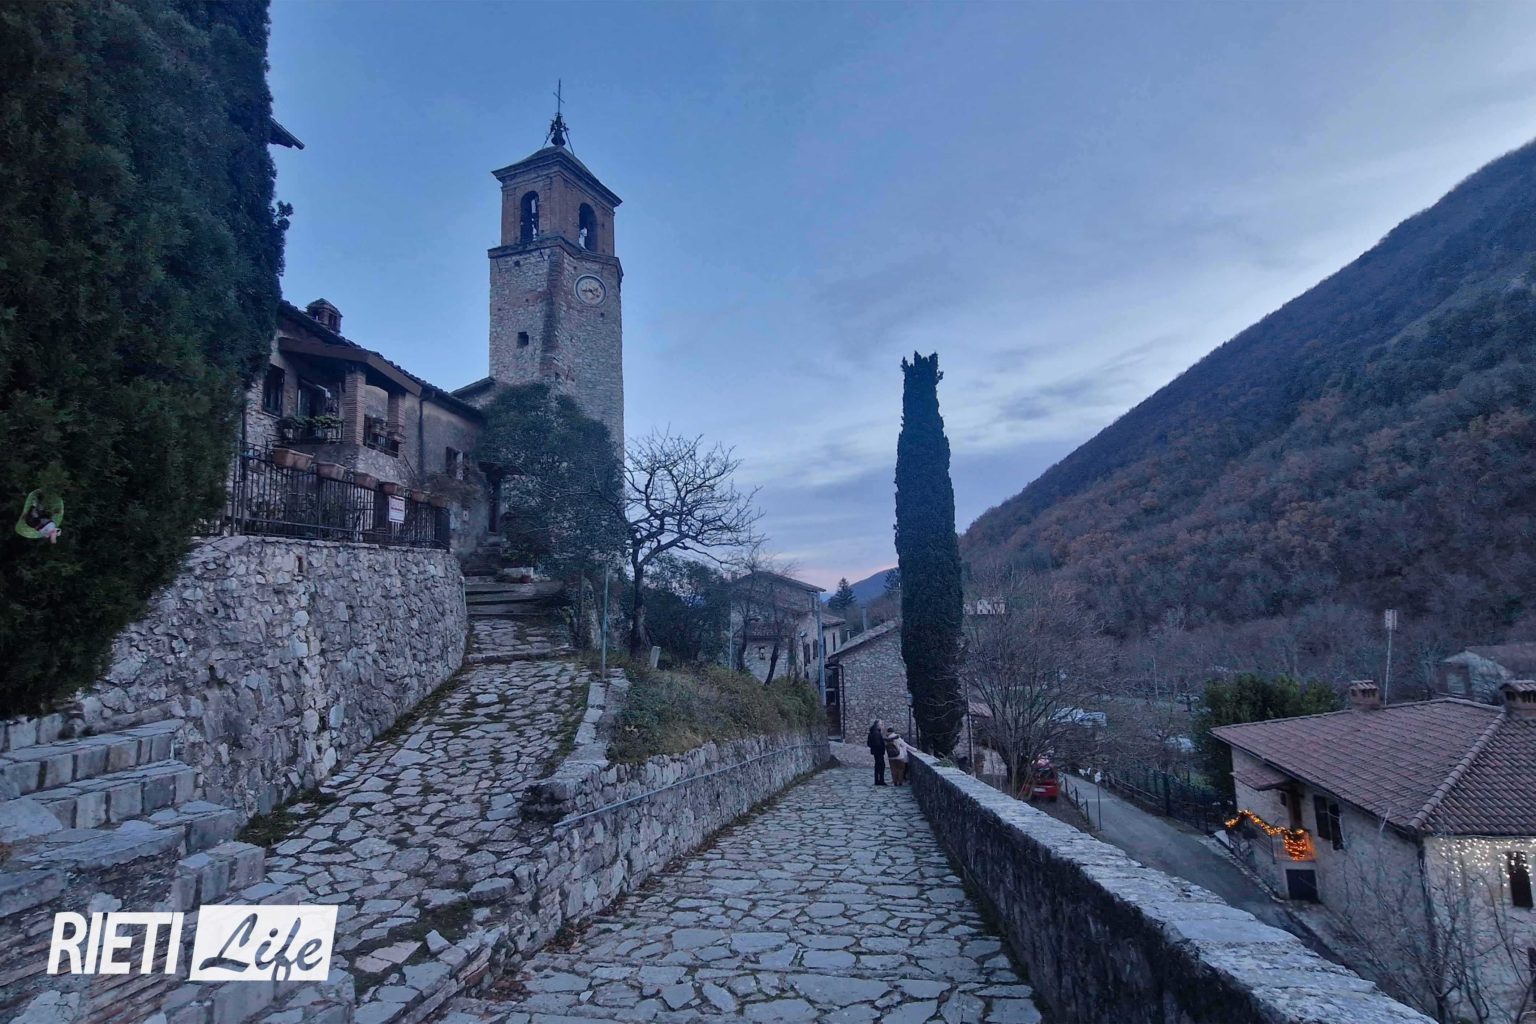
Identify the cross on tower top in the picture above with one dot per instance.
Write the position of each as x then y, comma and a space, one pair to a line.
556, 136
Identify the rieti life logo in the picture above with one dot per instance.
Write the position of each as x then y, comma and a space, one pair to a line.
283, 942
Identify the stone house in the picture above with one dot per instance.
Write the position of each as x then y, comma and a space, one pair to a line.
778, 624
1411, 828
330, 397
1478, 672
866, 680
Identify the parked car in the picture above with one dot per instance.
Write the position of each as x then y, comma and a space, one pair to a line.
1047, 784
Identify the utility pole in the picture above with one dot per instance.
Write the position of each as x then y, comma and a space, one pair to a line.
603, 638
1389, 619
821, 659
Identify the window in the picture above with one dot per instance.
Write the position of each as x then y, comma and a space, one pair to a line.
528, 222
522, 339
1519, 878
453, 463
586, 229
1329, 825
272, 390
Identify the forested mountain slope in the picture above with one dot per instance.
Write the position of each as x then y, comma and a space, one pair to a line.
1370, 442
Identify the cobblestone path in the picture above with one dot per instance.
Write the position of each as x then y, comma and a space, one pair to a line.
835, 904
423, 827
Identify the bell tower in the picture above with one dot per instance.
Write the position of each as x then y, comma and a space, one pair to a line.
555, 281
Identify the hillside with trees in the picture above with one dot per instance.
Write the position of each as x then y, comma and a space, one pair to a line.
1368, 445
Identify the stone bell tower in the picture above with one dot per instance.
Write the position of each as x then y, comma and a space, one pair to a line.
555, 280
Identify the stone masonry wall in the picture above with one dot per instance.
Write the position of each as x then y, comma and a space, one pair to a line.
282, 657
1104, 938
874, 685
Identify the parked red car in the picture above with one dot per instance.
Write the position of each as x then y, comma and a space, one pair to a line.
1047, 784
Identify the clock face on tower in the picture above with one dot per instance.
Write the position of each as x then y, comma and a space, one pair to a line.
590, 290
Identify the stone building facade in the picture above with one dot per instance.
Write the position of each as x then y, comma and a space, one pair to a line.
330, 397
556, 314
867, 679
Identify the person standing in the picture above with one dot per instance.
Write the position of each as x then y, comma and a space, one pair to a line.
897, 750
876, 743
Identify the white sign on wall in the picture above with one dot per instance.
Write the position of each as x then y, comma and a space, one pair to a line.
396, 508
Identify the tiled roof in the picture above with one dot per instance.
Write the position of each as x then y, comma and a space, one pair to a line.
1441, 766
309, 323
873, 633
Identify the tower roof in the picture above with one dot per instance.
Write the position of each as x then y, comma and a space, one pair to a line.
559, 156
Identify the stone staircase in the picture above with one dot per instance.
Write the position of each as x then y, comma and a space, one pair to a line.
109, 822
488, 597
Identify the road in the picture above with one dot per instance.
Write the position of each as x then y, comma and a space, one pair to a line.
1172, 848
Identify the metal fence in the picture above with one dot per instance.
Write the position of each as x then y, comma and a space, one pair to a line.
1157, 791
272, 500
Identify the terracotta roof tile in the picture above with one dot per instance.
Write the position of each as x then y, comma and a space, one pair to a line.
1450, 765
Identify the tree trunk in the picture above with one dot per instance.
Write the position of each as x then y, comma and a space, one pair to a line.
639, 639
773, 661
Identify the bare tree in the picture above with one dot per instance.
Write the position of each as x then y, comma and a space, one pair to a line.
1042, 656
678, 497
766, 606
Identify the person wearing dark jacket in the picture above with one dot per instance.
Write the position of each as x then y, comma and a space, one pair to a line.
877, 747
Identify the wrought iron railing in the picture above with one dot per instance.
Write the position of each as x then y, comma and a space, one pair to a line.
309, 433
273, 500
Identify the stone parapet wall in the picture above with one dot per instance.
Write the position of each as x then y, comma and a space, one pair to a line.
283, 658
634, 820
1103, 938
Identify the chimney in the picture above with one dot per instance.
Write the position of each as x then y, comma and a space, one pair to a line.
325, 314
1519, 698
1364, 695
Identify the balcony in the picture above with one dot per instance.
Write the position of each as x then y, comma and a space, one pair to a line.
323, 429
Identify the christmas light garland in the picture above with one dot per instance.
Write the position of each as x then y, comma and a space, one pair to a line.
1298, 844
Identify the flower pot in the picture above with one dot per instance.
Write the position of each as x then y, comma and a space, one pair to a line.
331, 470
439, 500
418, 495
389, 487
367, 480
287, 458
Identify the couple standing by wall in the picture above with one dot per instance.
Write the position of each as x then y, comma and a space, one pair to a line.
884, 742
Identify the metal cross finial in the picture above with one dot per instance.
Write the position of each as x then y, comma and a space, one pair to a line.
557, 129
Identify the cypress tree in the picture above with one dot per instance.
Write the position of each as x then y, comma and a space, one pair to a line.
928, 559
140, 253
844, 598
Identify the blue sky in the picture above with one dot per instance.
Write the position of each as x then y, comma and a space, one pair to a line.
1070, 203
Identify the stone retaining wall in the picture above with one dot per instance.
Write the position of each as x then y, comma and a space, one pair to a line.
1104, 938
284, 658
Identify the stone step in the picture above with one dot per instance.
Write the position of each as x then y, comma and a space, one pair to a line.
207, 876
35, 768
521, 609
120, 796
194, 826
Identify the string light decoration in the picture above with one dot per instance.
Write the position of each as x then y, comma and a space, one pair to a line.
1297, 842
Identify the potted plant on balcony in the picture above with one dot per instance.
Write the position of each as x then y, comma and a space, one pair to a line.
439, 500
389, 487
367, 480
331, 470
287, 458
418, 496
